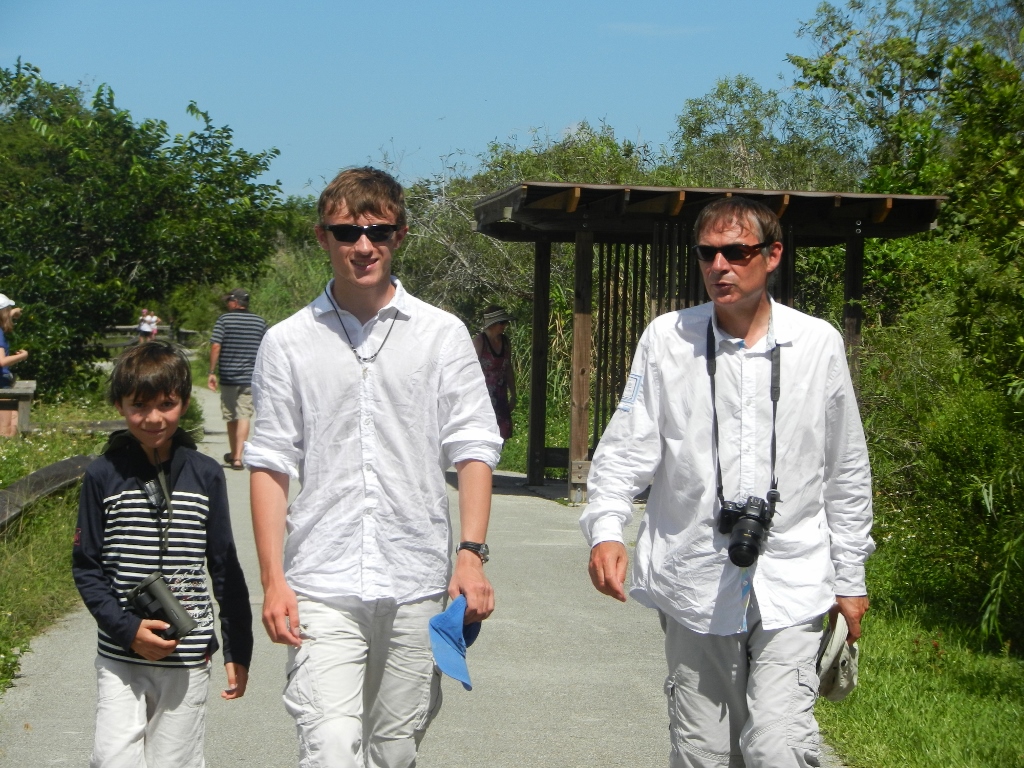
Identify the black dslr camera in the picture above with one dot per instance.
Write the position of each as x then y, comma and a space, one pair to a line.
151, 598
747, 525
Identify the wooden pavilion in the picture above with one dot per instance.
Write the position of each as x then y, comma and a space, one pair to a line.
639, 236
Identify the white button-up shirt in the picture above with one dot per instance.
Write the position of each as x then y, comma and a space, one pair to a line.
369, 442
661, 435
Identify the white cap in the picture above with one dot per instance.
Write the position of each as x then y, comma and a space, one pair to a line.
5, 302
837, 662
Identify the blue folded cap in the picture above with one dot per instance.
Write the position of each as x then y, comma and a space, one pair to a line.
449, 638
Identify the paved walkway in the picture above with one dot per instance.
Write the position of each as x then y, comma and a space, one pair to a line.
562, 675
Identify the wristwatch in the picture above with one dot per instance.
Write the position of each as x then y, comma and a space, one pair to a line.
481, 550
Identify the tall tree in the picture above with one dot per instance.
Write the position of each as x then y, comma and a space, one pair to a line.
99, 212
741, 135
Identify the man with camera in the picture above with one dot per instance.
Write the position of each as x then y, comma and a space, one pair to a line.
741, 416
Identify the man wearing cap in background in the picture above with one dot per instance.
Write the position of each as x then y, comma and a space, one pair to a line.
233, 346
737, 407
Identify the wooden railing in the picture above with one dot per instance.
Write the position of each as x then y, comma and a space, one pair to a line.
42, 482
123, 335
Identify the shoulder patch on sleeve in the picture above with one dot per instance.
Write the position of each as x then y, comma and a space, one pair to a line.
630, 391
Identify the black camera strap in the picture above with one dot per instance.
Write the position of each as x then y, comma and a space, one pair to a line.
775, 393
162, 478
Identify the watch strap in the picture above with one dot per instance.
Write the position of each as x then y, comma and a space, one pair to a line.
481, 550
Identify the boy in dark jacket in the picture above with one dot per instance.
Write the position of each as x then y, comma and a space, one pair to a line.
152, 690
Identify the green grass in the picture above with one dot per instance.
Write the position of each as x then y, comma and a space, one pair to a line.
513, 453
927, 699
24, 454
92, 407
36, 587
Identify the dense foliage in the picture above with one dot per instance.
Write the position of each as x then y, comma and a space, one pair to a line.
99, 213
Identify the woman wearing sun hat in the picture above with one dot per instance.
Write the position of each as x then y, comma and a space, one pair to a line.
8, 314
495, 353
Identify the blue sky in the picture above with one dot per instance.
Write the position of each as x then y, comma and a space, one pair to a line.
336, 84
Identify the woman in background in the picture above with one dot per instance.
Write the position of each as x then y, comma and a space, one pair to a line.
8, 314
495, 353
147, 326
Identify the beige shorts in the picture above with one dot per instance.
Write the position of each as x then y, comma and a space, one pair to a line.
235, 402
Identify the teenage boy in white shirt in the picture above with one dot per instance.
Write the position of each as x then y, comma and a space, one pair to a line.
366, 396
697, 422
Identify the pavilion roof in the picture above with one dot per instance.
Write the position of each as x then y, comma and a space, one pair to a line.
556, 211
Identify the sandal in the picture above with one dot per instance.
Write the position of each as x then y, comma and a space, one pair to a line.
228, 459
237, 465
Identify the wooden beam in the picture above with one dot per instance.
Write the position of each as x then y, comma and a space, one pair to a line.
788, 267
582, 341
853, 291
778, 203
669, 204
837, 201
535, 458
560, 201
880, 209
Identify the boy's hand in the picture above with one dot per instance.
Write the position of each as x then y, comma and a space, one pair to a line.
238, 678
149, 645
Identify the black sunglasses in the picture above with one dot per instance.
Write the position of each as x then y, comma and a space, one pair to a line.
350, 233
734, 252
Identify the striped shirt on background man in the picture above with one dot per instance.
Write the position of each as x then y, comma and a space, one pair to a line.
239, 333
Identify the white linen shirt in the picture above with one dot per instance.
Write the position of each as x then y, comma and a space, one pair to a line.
661, 435
369, 443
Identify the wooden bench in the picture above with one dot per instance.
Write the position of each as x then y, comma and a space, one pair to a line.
19, 398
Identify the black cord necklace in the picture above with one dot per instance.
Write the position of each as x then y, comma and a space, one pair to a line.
355, 352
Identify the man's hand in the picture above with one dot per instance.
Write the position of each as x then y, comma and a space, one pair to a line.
268, 496
238, 678
211, 382
469, 580
150, 646
281, 614
608, 561
853, 610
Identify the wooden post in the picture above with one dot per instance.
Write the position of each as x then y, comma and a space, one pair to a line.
535, 459
788, 267
582, 324
853, 312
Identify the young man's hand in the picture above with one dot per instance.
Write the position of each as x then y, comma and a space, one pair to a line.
211, 382
151, 646
238, 678
469, 580
608, 561
281, 614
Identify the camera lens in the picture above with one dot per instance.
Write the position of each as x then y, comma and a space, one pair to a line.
745, 542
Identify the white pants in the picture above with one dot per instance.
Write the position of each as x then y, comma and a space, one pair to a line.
744, 700
362, 687
149, 717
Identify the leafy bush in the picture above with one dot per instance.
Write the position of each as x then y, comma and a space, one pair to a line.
937, 435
